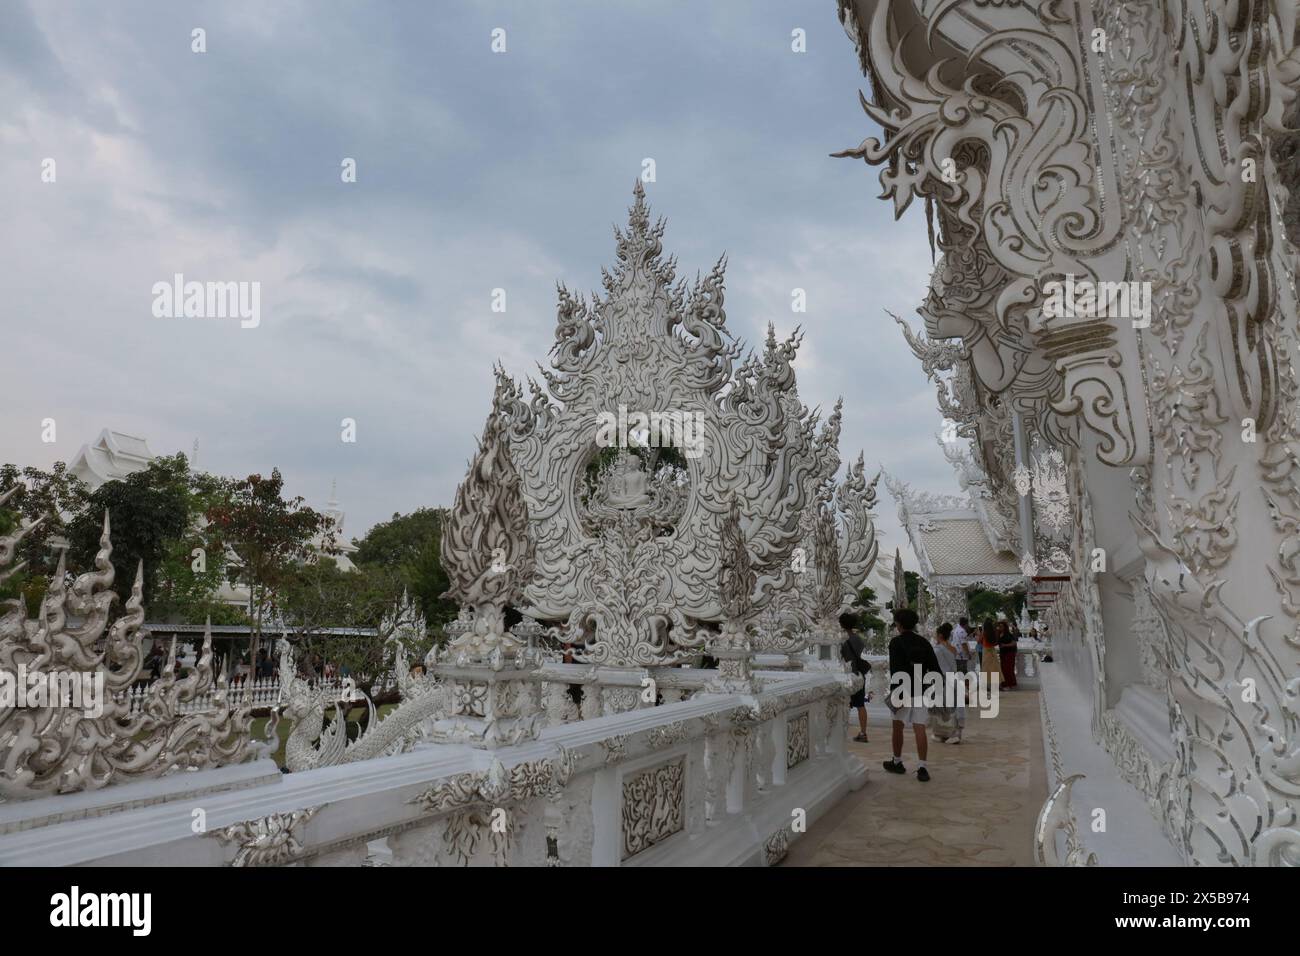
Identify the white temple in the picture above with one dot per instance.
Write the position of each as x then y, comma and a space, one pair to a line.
1130, 455
111, 456
642, 568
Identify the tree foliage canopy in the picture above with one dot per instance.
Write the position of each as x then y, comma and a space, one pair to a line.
411, 544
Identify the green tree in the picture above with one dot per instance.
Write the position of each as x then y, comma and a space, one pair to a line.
55, 497
412, 544
269, 535
315, 596
399, 540
869, 611
148, 511
983, 604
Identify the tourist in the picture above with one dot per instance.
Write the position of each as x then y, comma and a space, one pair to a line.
854, 651
990, 662
155, 661
907, 651
950, 723
961, 642
1007, 653
570, 652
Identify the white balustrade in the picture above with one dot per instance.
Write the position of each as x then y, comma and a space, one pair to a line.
263, 692
720, 779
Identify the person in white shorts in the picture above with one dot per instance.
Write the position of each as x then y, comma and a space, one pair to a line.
912, 717
909, 655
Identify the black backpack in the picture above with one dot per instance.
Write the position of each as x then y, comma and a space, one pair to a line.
851, 651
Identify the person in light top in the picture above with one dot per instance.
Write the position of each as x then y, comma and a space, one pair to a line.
962, 644
946, 653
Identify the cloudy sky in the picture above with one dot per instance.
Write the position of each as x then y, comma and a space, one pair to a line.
475, 170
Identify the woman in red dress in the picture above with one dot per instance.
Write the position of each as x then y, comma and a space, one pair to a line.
1007, 651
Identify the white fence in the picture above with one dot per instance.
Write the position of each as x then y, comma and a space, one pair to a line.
264, 692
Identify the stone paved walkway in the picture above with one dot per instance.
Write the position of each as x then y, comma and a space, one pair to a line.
978, 809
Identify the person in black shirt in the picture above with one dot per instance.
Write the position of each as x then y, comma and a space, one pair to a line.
854, 652
908, 652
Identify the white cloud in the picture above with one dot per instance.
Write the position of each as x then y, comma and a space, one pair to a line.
474, 173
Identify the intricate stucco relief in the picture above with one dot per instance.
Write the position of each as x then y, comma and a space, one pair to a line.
499, 785
1057, 814
990, 109
776, 847
50, 748
796, 740
1248, 815
1152, 640
273, 840
487, 549
628, 550
1160, 174
654, 806
312, 744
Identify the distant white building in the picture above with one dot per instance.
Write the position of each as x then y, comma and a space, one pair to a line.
344, 548
115, 455
110, 457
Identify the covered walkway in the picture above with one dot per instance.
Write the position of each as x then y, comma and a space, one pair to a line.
978, 809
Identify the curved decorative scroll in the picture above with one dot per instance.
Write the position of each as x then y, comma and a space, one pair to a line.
988, 119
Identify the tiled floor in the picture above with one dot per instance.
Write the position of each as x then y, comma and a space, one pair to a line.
978, 809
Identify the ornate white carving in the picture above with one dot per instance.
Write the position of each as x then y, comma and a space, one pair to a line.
62, 749
630, 558
487, 549
499, 786
312, 744
654, 805
272, 840
1051, 496
796, 740
776, 847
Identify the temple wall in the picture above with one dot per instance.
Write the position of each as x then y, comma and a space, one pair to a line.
1147, 130
720, 780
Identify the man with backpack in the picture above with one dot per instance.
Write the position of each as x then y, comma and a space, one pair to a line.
910, 656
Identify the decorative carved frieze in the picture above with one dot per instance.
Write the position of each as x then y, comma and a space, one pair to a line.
498, 785
654, 806
668, 734
796, 740
273, 840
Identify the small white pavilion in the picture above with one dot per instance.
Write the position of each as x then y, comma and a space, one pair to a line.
110, 457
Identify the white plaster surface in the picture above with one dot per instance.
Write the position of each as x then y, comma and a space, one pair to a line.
1133, 836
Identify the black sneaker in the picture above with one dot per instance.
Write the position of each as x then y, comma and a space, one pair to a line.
922, 774
895, 766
